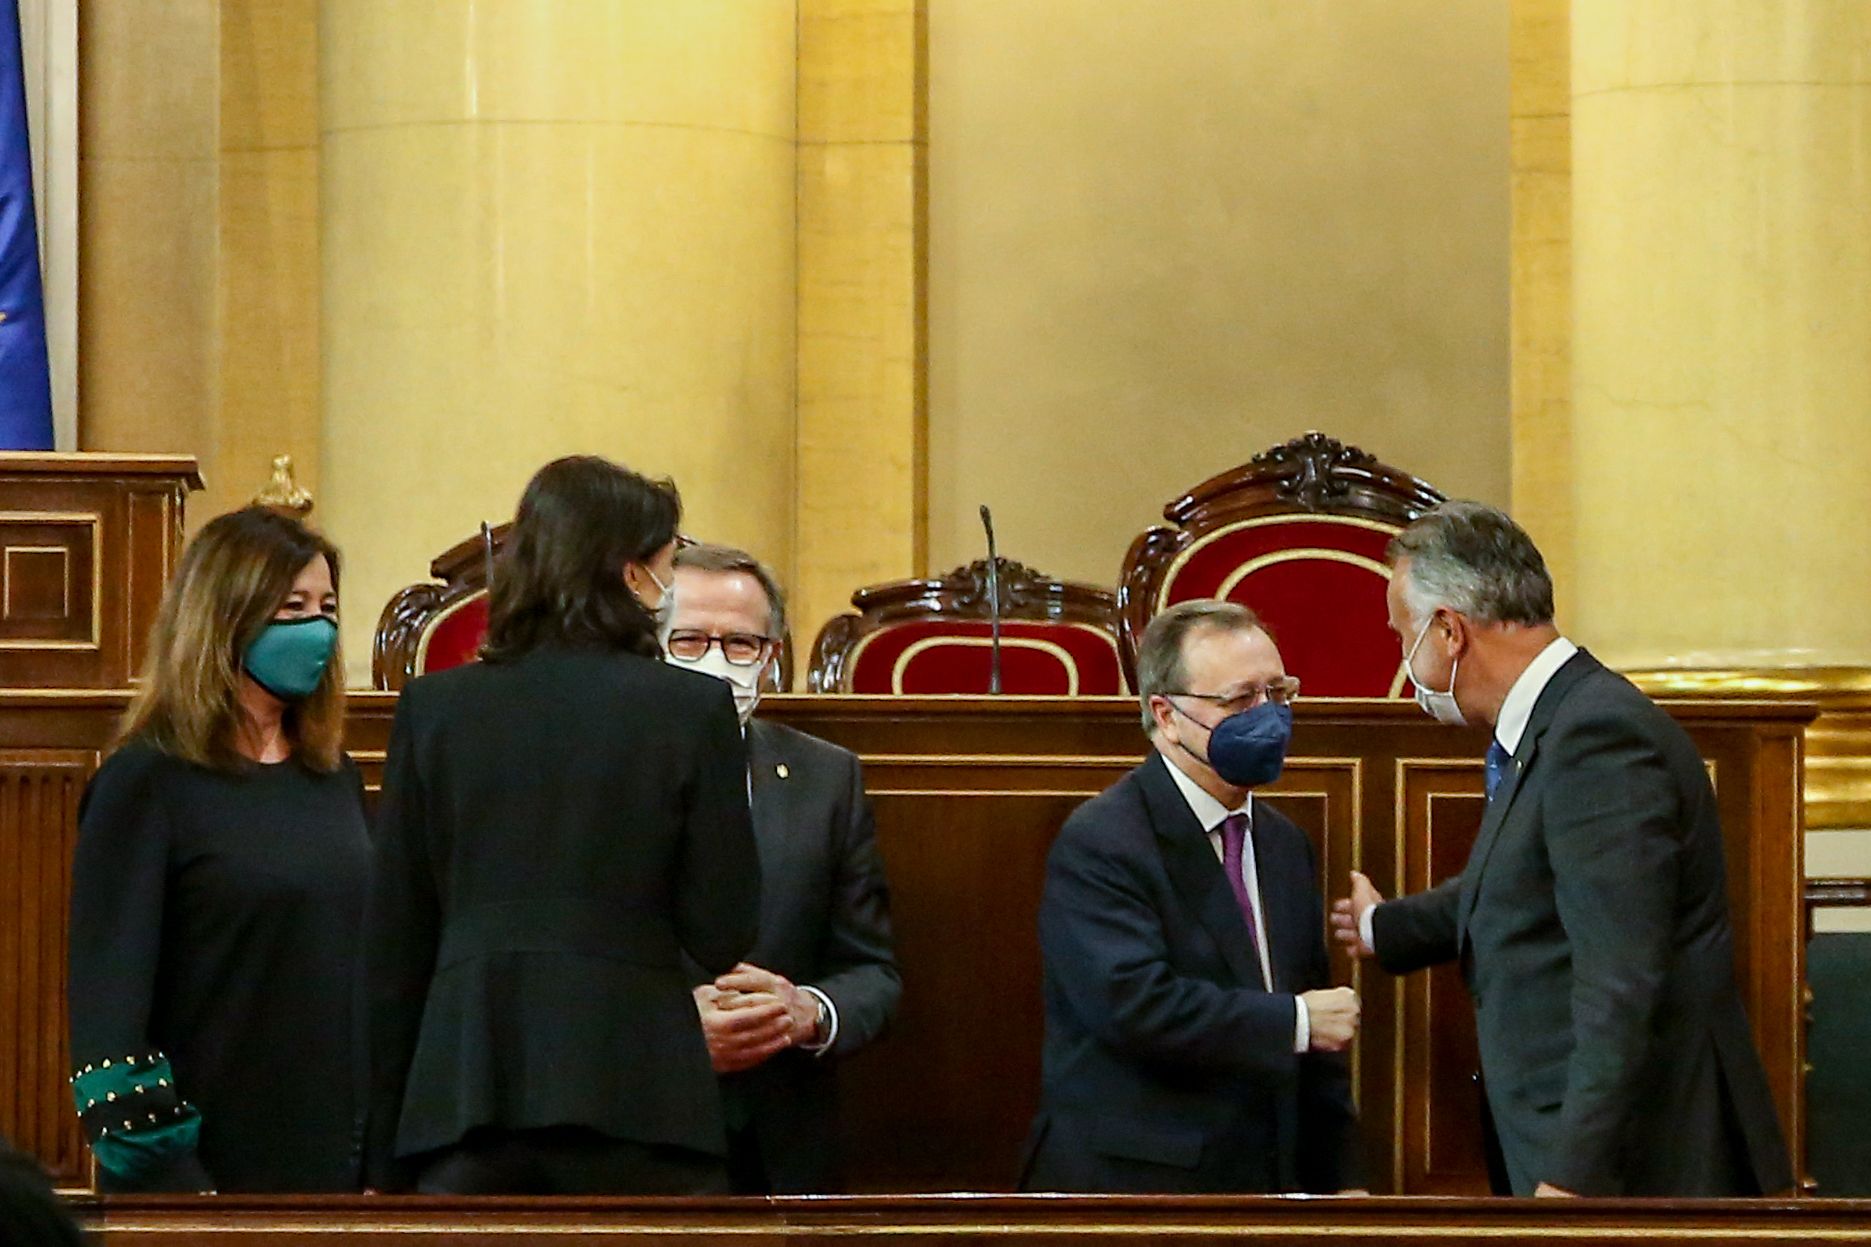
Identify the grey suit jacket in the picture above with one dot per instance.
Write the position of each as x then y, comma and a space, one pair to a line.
1593, 931
824, 923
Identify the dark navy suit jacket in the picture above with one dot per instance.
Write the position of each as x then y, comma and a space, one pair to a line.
1168, 1065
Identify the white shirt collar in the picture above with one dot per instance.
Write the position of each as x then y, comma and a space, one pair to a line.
1517, 707
1208, 811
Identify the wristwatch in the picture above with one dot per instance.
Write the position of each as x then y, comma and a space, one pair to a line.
822, 1027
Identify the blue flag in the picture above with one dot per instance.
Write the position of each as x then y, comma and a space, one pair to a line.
25, 376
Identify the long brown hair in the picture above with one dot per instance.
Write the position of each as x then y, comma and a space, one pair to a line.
234, 576
560, 577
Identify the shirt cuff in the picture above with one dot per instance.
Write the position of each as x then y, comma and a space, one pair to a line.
831, 1029
1366, 928
1302, 1027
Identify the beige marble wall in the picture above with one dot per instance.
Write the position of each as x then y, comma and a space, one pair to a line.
148, 180
198, 247
1722, 302
1167, 234
862, 477
1540, 151
269, 247
552, 228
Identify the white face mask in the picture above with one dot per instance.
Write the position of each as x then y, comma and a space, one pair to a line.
665, 609
744, 681
1441, 707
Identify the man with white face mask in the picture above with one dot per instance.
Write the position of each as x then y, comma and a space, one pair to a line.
821, 981
1591, 922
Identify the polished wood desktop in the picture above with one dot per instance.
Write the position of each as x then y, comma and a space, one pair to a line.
999, 1221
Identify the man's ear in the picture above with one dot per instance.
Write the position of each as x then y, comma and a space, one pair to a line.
1161, 711
1460, 630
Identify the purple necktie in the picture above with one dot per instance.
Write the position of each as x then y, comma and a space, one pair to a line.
1233, 838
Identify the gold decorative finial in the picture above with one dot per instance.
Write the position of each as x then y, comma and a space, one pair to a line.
283, 493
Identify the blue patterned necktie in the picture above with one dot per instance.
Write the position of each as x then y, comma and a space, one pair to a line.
1496, 766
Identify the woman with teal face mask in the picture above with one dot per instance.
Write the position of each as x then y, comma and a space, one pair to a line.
218, 887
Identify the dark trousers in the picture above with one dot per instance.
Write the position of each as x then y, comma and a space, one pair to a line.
567, 1160
747, 1167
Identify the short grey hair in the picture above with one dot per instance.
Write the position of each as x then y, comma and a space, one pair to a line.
1160, 669
703, 557
1473, 559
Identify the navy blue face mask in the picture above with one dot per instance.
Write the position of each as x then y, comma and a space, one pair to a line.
1248, 749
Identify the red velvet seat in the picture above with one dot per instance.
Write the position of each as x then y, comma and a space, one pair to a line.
934, 637
1298, 533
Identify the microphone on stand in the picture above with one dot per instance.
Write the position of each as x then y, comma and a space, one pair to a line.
487, 554
993, 602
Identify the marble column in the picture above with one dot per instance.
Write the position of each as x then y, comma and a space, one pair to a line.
552, 226
863, 158
1722, 332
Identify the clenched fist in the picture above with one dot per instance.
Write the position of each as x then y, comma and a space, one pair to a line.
1332, 1015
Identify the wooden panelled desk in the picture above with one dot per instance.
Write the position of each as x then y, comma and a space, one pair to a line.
87, 545
969, 793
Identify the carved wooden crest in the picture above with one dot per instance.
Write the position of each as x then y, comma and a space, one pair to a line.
1313, 474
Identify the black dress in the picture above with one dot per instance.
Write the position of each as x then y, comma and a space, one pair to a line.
215, 1028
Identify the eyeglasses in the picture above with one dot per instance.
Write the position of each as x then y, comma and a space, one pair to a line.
743, 649
1281, 692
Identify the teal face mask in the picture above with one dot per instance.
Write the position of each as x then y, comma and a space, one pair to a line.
289, 657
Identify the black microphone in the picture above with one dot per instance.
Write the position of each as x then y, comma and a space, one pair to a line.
993, 601
487, 553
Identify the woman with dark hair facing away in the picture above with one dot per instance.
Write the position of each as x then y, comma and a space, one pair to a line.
218, 887
560, 822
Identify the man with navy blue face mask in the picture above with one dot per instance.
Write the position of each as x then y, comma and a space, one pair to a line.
1194, 1043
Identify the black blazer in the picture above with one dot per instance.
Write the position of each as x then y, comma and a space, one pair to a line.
1168, 1066
555, 833
824, 923
1592, 926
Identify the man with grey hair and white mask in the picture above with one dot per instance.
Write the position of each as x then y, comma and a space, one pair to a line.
1591, 921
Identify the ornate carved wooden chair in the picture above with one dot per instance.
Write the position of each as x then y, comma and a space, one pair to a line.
934, 636
1298, 533
432, 627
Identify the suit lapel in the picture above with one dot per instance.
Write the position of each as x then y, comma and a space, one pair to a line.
1575, 669
770, 793
1194, 871
1278, 912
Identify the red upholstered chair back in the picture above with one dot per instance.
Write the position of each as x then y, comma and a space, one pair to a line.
1298, 534
934, 637
432, 627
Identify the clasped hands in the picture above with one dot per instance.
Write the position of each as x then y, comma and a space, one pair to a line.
750, 1015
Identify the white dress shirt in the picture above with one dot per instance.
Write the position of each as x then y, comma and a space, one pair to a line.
1510, 725
1211, 814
